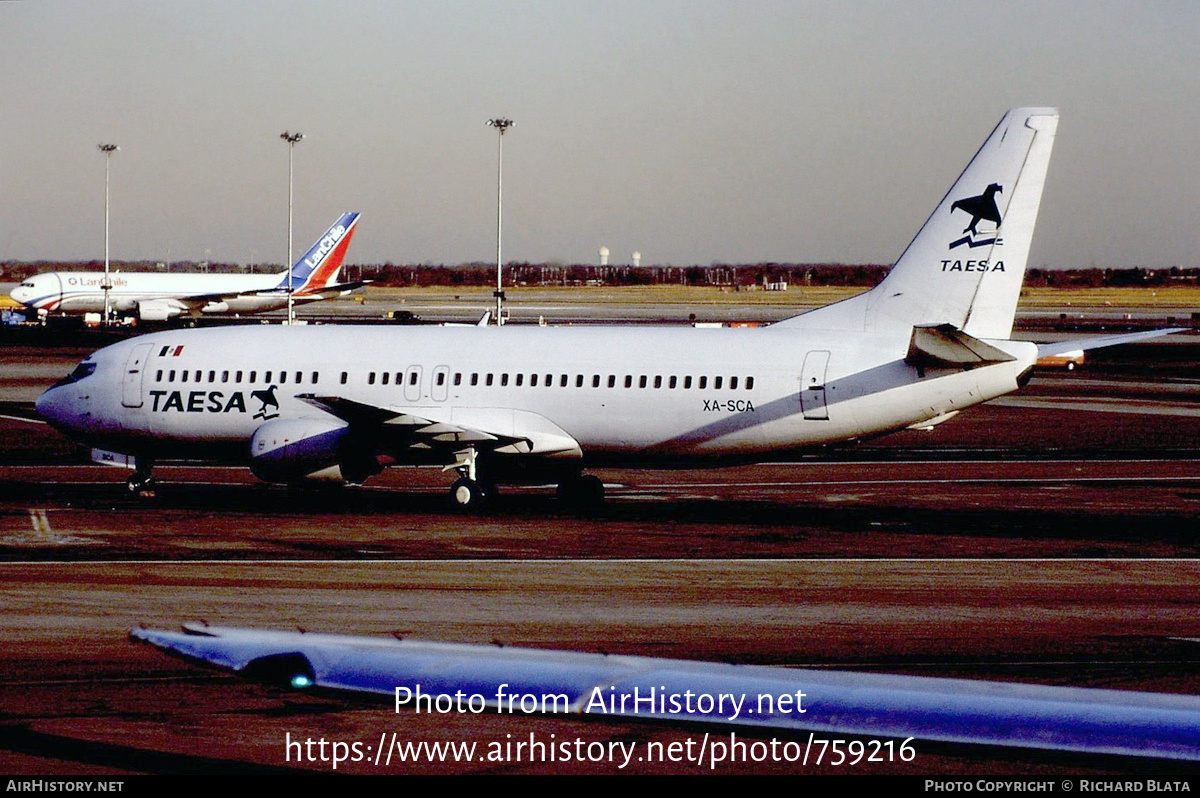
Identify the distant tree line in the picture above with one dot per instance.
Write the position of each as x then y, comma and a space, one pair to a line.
738, 276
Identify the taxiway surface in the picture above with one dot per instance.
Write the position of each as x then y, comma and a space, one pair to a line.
1048, 537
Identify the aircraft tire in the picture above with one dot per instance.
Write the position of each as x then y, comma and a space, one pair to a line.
142, 487
466, 494
583, 492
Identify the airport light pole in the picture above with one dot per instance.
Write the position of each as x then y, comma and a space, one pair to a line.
292, 139
501, 124
108, 150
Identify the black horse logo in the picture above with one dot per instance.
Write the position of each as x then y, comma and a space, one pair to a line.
270, 405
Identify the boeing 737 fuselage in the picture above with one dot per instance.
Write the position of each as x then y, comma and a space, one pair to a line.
517, 403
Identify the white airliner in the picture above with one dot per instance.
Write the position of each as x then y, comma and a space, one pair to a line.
158, 297
513, 403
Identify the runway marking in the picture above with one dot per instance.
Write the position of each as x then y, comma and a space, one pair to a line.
22, 418
560, 561
41, 524
1143, 407
41, 533
659, 487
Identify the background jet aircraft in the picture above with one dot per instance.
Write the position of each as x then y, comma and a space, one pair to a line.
157, 297
512, 403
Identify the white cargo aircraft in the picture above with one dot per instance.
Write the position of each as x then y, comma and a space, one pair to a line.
158, 297
513, 403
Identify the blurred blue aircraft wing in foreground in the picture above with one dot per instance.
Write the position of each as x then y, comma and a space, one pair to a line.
873, 705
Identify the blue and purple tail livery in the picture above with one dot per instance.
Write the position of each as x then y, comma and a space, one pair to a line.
319, 266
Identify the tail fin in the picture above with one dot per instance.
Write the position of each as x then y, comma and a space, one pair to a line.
319, 266
966, 265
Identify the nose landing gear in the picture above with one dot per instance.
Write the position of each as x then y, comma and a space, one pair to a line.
142, 484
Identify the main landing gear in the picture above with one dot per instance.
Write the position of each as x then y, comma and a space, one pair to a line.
576, 491
581, 491
142, 484
466, 493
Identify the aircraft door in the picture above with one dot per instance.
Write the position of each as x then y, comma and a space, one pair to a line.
812, 386
441, 383
412, 384
135, 371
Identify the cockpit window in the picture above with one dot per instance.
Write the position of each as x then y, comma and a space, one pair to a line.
84, 369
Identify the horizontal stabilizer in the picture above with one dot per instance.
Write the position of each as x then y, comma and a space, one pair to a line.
946, 346
605, 687
1101, 341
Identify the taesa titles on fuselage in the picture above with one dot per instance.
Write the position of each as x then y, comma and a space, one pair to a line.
514, 403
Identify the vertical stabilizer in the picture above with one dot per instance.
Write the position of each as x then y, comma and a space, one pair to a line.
966, 265
319, 266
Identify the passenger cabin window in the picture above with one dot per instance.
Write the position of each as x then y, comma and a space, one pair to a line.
345, 377
628, 380
441, 378
703, 383
717, 383
253, 377
282, 378
239, 376
578, 380
458, 378
183, 376
474, 379
224, 376
562, 383
642, 381
315, 377
520, 380
658, 381
733, 383
489, 380
158, 377
504, 378
671, 383
533, 380
412, 378
371, 378
749, 383
300, 377
612, 380
383, 378
212, 376
595, 380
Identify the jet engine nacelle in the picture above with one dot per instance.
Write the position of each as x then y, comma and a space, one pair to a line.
158, 309
309, 450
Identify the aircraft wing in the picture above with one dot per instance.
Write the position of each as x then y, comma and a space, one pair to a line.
501, 430
1101, 341
611, 686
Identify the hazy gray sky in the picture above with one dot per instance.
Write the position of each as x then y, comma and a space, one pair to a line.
691, 131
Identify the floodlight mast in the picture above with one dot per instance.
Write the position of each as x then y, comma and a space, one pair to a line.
292, 139
108, 150
501, 124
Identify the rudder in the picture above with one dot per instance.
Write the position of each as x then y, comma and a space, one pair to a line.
966, 265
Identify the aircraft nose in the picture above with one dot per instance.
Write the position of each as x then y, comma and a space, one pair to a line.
55, 406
